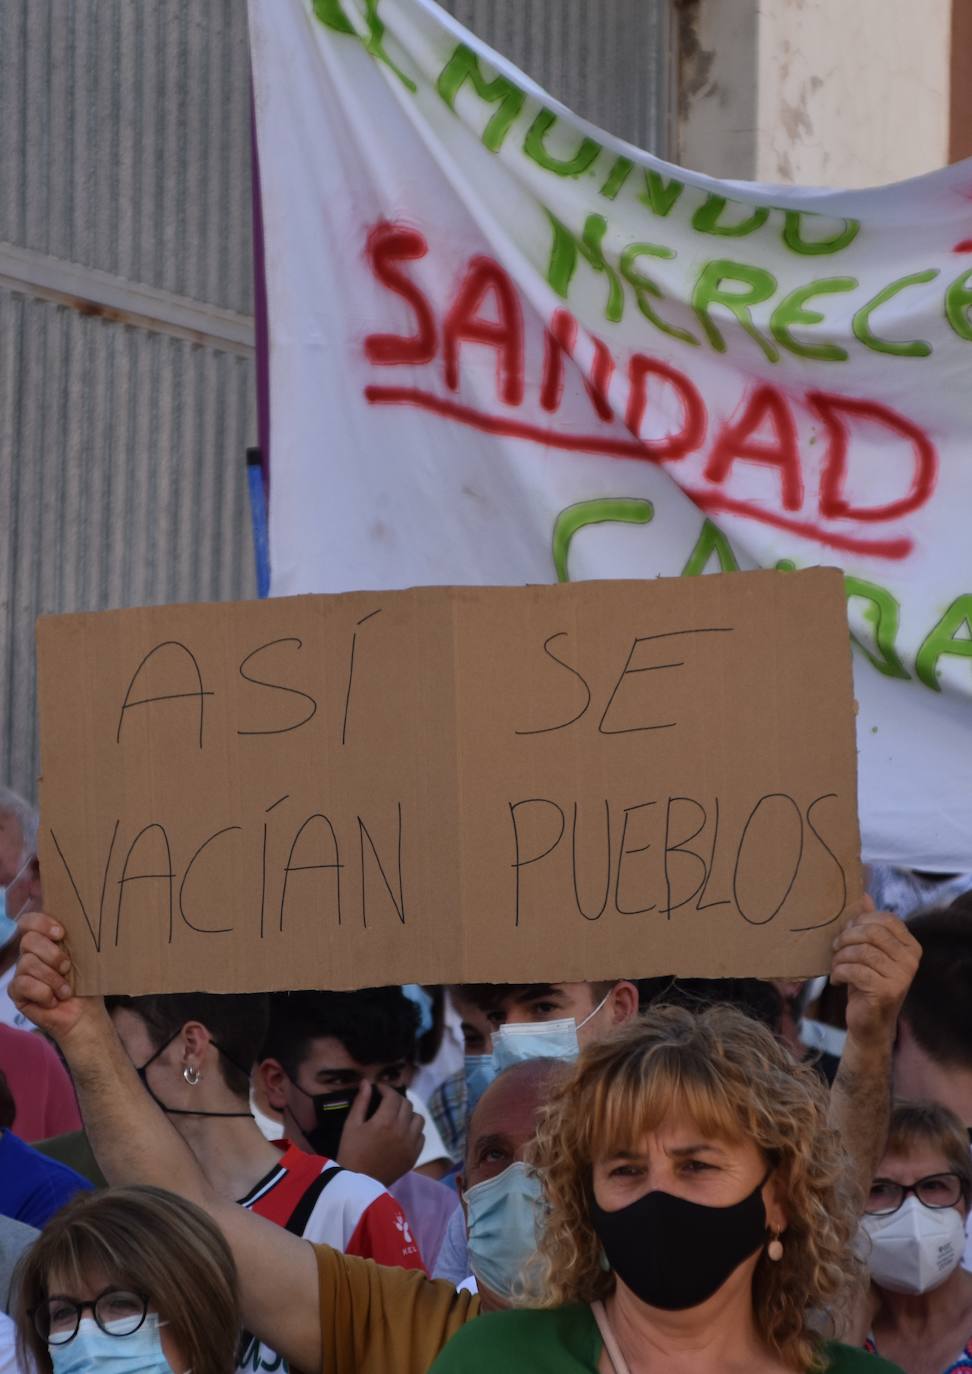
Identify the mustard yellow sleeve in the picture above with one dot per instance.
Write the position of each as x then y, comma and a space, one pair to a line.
379, 1320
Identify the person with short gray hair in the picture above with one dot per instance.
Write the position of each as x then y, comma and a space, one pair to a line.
17, 808
41, 1087
20, 888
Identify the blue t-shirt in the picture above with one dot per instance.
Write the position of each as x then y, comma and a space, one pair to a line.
33, 1187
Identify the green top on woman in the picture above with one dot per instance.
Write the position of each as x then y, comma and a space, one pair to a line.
565, 1340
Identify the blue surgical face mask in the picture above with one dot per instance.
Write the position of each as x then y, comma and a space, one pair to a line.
8, 926
92, 1348
512, 1044
503, 1220
8, 919
480, 1071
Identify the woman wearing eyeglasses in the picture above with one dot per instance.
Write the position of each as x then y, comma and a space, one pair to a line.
915, 1223
128, 1281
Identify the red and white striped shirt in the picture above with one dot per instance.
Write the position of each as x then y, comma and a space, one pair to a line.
313, 1197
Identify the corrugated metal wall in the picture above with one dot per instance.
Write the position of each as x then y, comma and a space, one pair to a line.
126, 128
125, 149
607, 59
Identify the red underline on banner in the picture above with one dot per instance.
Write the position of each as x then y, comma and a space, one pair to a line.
499, 424
626, 448
882, 548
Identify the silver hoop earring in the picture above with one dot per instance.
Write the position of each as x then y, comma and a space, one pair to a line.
191, 1075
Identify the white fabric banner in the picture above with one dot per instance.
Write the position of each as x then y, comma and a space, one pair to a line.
507, 347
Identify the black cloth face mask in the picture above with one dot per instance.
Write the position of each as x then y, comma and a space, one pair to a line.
675, 1254
331, 1111
142, 1071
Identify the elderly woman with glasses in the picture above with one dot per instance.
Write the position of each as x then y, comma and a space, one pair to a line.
914, 1225
129, 1281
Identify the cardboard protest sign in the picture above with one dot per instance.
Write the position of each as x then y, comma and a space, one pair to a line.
609, 779
507, 347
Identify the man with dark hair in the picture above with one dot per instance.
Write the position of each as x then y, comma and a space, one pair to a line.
326, 1049
375, 1027
593, 1007
194, 1053
581, 1011
320, 1043
933, 1055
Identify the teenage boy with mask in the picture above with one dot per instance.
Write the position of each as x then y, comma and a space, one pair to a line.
545, 1011
323, 1043
322, 1046
320, 1309
505, 1023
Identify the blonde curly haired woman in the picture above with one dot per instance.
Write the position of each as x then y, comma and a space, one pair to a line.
698, 1214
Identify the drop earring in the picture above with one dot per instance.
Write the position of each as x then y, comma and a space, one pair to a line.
774, 1250
191, 1075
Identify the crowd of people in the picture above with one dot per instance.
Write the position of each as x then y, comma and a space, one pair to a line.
619, 1177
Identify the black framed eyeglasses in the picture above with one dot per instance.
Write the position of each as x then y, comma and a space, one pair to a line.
118, 1311
937, 1190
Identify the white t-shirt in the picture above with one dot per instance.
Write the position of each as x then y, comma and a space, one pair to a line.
434, 1147
449, 1058
314, 1198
